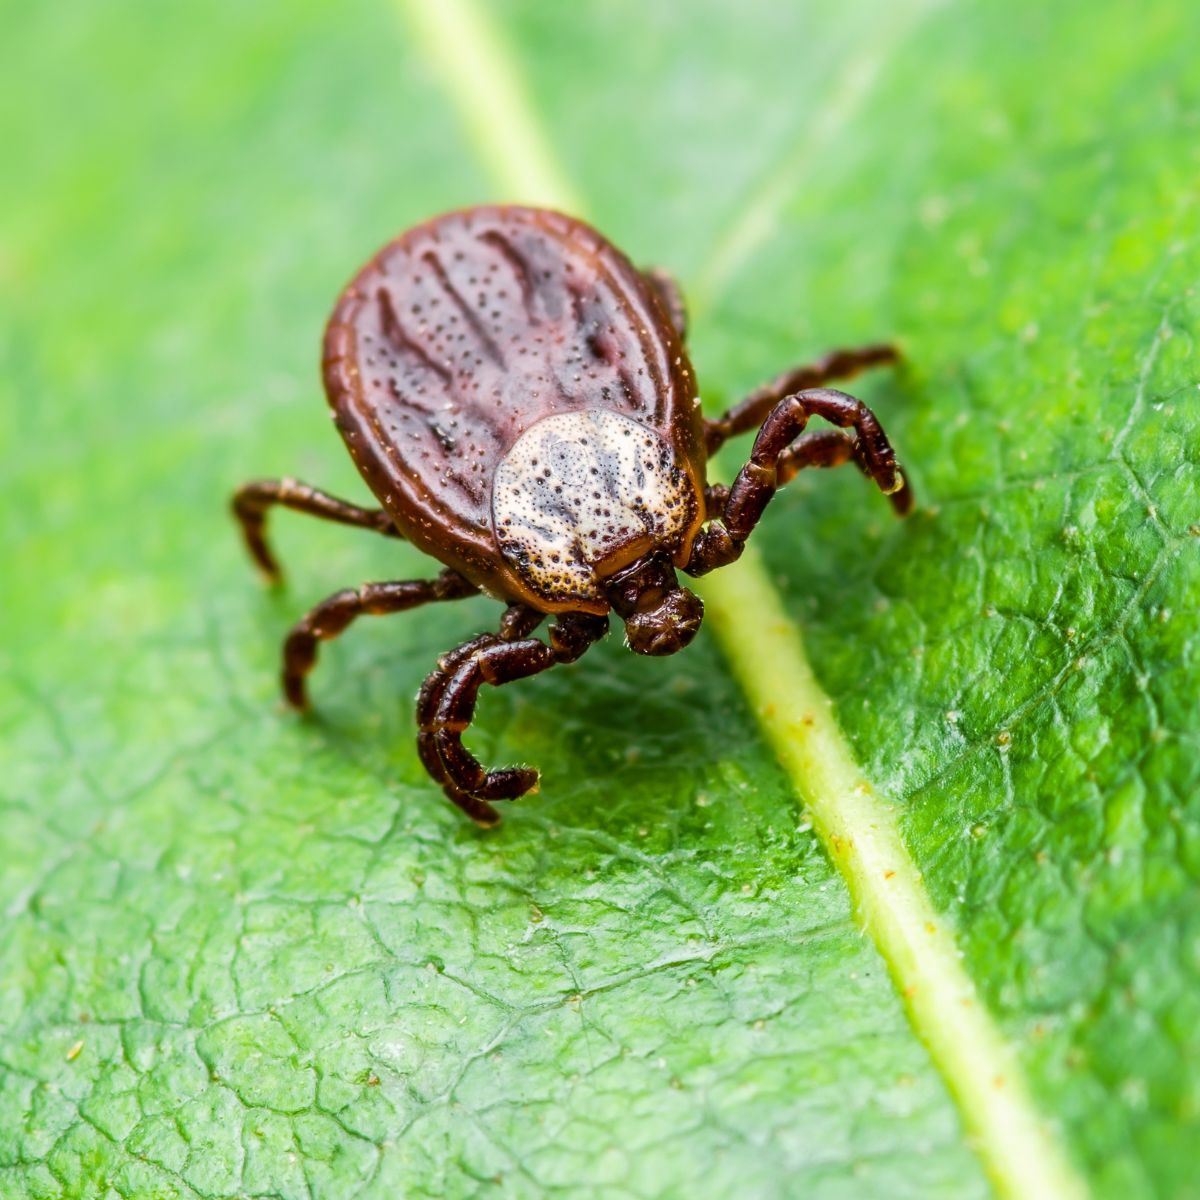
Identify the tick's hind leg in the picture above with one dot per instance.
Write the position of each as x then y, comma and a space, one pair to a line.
446, 706
779, 452
752, 411
252, 500
331, 617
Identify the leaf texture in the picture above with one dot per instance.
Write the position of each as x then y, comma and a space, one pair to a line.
246, 955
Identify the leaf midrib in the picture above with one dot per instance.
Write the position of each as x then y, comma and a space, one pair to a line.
765, 649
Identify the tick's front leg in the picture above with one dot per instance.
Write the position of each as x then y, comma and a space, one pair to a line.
774, 460
832, 448
751, 412
446, 707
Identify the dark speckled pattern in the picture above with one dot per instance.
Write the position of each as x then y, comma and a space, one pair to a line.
460, 335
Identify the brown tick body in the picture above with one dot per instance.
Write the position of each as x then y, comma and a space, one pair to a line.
517, 396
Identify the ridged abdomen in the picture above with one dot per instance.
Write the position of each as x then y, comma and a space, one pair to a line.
467, 331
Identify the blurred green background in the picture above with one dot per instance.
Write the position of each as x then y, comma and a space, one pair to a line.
246, 955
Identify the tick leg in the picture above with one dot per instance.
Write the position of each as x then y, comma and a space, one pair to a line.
252, 500
428, 699
753, 410
825, 448
446, 707
774, 460
668, 291
331, 617
716, 496
519, 621
832, 448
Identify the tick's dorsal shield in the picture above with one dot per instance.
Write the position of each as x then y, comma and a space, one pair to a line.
582, 494
463, 334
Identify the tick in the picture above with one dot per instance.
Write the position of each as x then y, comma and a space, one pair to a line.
517, 396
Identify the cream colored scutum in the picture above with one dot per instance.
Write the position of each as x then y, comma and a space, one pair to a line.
577, 489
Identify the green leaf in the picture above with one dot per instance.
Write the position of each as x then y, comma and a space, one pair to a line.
245, 955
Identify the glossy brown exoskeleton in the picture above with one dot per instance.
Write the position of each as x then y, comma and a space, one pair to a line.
517, 396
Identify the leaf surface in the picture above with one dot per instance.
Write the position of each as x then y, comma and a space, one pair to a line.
248, 955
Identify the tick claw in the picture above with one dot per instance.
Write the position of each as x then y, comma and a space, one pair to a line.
480, 811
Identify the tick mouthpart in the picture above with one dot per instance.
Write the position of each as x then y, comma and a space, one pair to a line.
660, 617
668, 627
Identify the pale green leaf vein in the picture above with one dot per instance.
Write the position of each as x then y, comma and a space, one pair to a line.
765, 649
